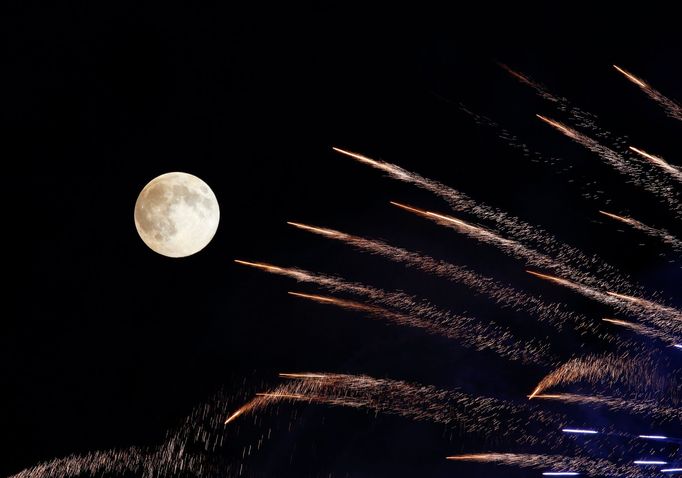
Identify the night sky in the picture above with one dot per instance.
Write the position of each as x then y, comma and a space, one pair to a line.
109, 344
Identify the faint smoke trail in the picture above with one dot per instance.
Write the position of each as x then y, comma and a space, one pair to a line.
660, 234
657, 187
636, 373
474, 414
504, 295
522, 231
555, 463
671, 107
649, 408
660, 162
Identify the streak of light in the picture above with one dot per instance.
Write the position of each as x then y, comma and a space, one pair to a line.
660, 162
302, 375
631, 77
653, 437
560, 473
579, 431
235, 415
650, 462
292, 396
671, 470
626, 220
570, 132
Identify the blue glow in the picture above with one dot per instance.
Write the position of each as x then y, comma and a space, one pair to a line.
653, 437
650, 462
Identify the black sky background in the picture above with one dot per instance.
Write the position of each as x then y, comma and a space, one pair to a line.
110, 344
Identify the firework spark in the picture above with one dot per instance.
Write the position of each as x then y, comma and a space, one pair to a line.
636, 373
660, 162
649, 408
520, 230
468, 331
476, 414
663, 317
588, 466
671, 107
660, 234
658, 187
504, 295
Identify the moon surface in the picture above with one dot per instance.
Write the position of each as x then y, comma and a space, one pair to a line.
176, 214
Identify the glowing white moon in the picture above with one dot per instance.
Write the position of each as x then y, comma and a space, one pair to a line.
176, 214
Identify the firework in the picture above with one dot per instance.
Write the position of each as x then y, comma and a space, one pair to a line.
658, 187
501, 294
520, 230
637, 373
468, 331
475, 414
660, 162
671, 107
652, 409
588, 466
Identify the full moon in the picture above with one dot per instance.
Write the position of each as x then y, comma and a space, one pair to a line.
176, 214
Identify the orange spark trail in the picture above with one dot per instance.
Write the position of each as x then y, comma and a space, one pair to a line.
516, 249
570, 132
644, 330
661, 234
631, 77
523, 232
670, 106
476, 414
655, 186
626, 220
504, 295
637, 373
660, 162
468, 331
665, 318
583, 465
649, 408
302, 375
652, 311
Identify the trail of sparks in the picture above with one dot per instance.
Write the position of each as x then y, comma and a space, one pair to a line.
660, 234
672, 109
586, 466
665, 318
660, 162
643, 330
474, 414
636, 373
604, 274
468, 331
659, 188
166, 460
651, 409
659, 314
501, 294
614, 155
